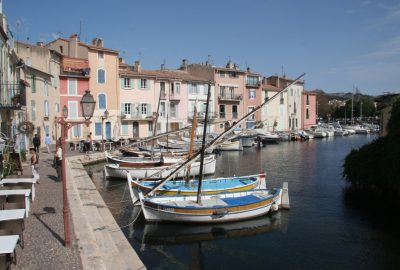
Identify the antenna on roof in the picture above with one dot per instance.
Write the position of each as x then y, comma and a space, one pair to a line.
283, 71
80, 29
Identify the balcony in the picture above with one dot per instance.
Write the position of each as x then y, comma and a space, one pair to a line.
222, 115
202, 115
230, 97
12, 95
253, 84
75, 67
136, 116
174, 97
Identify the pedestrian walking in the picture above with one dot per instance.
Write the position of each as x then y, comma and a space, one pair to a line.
47, 142
36, 143
58, 161
88, 142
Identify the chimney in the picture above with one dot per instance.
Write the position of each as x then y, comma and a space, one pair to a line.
162, 66
98, 42
73, 45
40, 43
184, 65
121, 60
137, 67
248, 69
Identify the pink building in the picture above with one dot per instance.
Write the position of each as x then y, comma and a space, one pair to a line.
309, 109
74, 81
252, 97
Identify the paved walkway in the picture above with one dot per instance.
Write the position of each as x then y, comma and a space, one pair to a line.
44, 228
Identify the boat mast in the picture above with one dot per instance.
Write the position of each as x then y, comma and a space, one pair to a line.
203, 145
155, 125
352, 101
194, 126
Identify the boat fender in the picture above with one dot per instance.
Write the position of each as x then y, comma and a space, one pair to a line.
274, 207
219, 213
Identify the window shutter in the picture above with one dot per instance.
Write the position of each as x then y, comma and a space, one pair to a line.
122, 108
132, 83
138, 83
122, 82
149, 112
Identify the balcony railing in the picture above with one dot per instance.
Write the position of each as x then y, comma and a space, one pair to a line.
230, 97
202, 115
253, 84
135, 116
12, 95
174, 96
222, 115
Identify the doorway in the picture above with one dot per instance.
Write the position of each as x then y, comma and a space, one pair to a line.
135, 129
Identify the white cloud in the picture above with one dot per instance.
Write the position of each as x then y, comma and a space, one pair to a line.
386, 49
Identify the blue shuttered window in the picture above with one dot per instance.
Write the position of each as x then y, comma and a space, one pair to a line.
97, 129
102, 101
101, 76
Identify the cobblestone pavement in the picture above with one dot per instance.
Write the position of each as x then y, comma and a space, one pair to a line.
44, 228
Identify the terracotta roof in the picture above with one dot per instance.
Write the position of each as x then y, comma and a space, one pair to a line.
160, 74
270, 87
310, 93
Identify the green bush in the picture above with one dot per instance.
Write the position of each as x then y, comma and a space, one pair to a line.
377, 164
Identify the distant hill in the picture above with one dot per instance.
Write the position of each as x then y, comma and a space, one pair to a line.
339, 95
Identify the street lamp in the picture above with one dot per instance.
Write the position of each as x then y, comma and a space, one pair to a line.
105, 116
87, 106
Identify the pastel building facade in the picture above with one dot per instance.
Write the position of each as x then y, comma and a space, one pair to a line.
309, 109
229, 90
270, 113
252, 97
102, 73
290, 111
41, 71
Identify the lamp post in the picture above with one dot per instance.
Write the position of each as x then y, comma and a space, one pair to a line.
105, 116
87, 106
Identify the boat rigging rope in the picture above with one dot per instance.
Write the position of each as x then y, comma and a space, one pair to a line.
121, 227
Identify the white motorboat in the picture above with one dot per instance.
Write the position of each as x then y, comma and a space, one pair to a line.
231, 145
117, 171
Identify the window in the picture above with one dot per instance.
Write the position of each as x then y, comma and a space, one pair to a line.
162, 109
144, 109
102, 101
72, 87
234, 111
162, 86
150, 126
33, 83
46, 88
172, 109
97, 129
222, 91
177, 88
281, 98
73, 113
101, 76
308, 100
124, 129
252, 80
252, 94
193, 89
221, 111
291, 92
33, 110
100, 55
46, 108
127, 83
127, 108
61, 49
296, 122
290, 123
252, 117
307, 113
221, 74
143, 83
57, 107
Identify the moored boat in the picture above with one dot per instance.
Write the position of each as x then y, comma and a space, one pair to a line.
209, 186
117, 171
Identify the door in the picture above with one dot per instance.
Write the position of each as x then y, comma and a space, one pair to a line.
108, 130
135, 129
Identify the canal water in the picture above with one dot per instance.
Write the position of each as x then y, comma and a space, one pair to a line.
322, 230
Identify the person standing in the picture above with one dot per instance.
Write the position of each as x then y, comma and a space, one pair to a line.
58, 161
34, 159
47, 142
36, 143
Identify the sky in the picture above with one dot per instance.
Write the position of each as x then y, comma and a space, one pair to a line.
338, 44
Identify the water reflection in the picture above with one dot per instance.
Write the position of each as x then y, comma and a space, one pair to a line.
326, 229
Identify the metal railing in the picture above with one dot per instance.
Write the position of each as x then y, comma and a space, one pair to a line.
12, 95
232, 97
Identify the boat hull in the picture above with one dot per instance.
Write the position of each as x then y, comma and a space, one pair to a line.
231, 146
210, 186
117, 171
156, 212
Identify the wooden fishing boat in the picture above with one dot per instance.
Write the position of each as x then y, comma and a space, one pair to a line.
136, 161
117, 171
134, 152
210, 186
225, 207
230, 145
